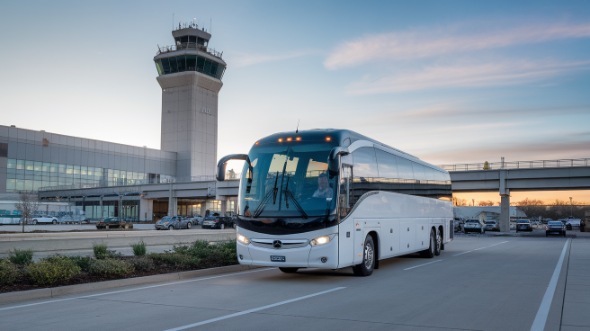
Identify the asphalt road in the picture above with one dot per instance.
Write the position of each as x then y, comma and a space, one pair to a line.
478, 283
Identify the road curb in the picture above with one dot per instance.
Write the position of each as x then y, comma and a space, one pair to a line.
46, 293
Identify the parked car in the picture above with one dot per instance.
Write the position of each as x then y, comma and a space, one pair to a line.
524, 225
197, 220
41, 219
113, 223
555, 227
217, 222
69, 219
571, 223
492, 225
173, 223
474, 226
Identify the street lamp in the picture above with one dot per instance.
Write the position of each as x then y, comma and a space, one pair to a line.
571, 208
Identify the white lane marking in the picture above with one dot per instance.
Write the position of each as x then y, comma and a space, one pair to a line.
253, 310
543, 312
421, 265
480, 248
132, 289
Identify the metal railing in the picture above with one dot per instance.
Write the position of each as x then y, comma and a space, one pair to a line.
563, 163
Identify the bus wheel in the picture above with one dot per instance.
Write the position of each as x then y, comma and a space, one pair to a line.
431, 251
368, 264
438, 243
288, 270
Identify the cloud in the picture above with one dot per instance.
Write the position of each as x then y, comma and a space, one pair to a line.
515, 151
246, 60
423, 43
500, 73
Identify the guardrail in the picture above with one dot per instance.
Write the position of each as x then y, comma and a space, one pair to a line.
563, 163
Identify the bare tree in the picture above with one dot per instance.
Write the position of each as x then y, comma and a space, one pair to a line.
486, 203
27, 205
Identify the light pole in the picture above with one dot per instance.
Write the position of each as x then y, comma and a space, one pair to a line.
571, 208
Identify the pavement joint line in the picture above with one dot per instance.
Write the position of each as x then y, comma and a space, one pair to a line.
254, 310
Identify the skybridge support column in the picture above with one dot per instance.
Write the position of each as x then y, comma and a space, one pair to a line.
504, 203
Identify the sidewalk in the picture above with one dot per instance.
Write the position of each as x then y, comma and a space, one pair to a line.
576, 302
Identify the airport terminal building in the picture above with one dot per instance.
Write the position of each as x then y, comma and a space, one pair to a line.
106, 179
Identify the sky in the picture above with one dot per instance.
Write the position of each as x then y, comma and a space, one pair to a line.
448, 81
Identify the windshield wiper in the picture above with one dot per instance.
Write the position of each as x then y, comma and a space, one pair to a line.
289, 194
262, 204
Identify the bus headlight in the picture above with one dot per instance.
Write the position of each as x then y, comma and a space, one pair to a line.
244, 240
322, 240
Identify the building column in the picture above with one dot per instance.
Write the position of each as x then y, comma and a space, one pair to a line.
505, 213
146, 209
504, 203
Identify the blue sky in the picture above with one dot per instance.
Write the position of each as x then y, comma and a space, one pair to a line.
447, 81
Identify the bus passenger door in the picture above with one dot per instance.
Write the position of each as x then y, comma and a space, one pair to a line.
346, 228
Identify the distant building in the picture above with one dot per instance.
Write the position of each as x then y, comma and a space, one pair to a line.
486, 213
110, 179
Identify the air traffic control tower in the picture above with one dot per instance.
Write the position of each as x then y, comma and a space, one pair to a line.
190, 76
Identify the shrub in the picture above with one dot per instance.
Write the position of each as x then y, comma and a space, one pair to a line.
176, 260
142, 263
8, 272
101, 252
53, 270
139, 249
110, 268
21, 257
82, 261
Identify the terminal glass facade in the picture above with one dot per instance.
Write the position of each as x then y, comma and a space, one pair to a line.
26, 175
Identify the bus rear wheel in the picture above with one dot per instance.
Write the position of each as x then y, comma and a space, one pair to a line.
431, 251
368, 265
438, 243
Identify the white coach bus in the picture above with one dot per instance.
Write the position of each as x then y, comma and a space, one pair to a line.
333, 199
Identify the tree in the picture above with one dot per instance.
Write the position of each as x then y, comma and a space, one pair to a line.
486, 203
27, 205
532, 207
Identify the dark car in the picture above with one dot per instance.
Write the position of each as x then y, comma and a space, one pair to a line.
555, 227
113, 223
524, 225
217, 222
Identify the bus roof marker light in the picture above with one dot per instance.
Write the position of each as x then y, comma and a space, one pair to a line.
289, 139
328, 139
280, 140
298, 139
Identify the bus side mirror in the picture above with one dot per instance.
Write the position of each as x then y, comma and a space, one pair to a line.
333, 160
222, 164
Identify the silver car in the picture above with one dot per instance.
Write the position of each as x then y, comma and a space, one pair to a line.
173, 223
474, 226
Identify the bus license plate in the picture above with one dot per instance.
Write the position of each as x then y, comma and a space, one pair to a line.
277, 258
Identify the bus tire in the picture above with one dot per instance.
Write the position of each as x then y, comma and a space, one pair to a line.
288, 270
438, 243
430, 252
368, 265
188, 225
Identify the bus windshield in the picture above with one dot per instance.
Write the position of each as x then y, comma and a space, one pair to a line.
288, 181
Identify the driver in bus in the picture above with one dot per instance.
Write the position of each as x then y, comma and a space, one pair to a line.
324, 190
